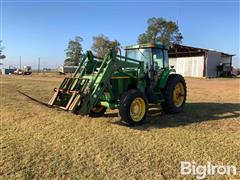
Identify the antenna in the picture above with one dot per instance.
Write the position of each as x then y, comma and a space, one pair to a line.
178, 12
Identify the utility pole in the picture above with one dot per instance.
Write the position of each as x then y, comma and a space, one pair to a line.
39, 64
20, 62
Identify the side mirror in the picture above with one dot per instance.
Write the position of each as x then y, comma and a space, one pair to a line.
172, 67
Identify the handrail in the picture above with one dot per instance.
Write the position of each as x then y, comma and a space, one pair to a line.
127, 58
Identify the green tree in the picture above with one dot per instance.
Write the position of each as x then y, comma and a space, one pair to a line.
2, 56
162, 31
73, 52
102, 43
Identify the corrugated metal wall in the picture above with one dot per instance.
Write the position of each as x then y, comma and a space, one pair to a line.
188, 66
213, 59
173, 62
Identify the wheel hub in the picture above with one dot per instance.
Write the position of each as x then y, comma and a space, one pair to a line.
178, 94
137, 109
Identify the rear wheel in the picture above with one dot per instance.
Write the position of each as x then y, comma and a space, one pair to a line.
175, 94
97, 111
133, 107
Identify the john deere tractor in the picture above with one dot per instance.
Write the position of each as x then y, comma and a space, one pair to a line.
128, 83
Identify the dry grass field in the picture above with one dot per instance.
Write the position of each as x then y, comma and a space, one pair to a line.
43, 143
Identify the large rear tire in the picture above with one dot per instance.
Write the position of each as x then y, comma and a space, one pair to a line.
175, 93
133, 107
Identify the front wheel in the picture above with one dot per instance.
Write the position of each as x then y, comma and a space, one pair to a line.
133, 107
175, 93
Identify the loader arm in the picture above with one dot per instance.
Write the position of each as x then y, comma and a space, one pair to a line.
81, 92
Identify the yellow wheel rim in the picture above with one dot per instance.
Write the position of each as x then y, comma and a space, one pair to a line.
97, 109
178, 94
137, 109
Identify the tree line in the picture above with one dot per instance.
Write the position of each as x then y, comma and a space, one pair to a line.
101, 44
158, 30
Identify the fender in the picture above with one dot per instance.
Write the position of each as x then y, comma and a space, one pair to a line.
164, 77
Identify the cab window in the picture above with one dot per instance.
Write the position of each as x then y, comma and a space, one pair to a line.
141, 55
158, 59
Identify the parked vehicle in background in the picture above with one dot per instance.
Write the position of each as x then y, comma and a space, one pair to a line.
8, 71
18, 72
27, 70
224, 70
67, 69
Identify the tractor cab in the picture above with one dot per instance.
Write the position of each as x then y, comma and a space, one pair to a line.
154, 56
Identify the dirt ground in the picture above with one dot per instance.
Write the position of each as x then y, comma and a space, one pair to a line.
39, 142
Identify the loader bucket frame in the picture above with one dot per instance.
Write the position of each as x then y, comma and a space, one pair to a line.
82, 91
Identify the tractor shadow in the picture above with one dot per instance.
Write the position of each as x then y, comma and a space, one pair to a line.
193, 113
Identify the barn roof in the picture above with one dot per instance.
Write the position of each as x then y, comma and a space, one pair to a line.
177, 50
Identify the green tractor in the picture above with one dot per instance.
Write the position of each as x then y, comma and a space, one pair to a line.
128, 83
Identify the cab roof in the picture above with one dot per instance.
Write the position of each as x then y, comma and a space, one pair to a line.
148, 45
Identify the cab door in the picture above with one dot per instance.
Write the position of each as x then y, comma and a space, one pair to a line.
158, 63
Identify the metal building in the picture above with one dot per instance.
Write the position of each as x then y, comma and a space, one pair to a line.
197, 62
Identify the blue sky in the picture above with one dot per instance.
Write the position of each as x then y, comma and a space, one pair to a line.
33, 29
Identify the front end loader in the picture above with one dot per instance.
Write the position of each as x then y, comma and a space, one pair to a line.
128, 83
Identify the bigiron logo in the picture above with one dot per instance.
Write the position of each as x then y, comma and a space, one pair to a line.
202, 171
